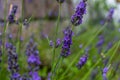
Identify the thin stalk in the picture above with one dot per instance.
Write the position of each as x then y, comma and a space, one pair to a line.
54, 49
56, 68
5, 27
20, 29
4, 33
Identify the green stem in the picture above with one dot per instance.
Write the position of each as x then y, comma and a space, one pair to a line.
20, 29
54, 49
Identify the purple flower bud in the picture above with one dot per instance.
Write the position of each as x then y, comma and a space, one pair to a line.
33, 60
49, 76
12, 13
80, 46
110, 14
76, 18
13, 65
51, 43
35, 76
105, 70
82, 61
67, 42
58, 42
10, 36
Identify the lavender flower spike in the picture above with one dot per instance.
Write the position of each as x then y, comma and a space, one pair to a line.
76, 18
104, 72
13, 66
110, 14
82, 61
67, 42
13, 10
33, 60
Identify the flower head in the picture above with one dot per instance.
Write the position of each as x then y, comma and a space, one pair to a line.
13, 65
33, 60
67, 42
76, 18
82, 61
13, 10
104, 72
110, 14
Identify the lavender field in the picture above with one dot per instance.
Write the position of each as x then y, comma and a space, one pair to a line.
59, 40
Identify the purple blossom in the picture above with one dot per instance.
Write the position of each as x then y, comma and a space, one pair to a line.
82, 61
12, 13
67, 42
110, 14
58, 42
60, 1
13, 65
49, 76
80, 46
105, 70
76, 18
51, 43
101, 41
35, 76
16, 76
33, 60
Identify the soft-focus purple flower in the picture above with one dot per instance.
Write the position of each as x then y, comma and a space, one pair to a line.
51, 43
33, 60
104, 73
102, 22
13, 66
60, 1
82, 61
76, 18
80, 46
35, 76
58, 42
15, 76
49, 76
10, 36
12, 13
110, 14
67, 42
101, 41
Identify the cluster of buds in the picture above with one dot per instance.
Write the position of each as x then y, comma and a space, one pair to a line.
12, 12
13, 65
67, 42
33, 60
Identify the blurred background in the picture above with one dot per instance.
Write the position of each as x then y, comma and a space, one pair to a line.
43, 17
45, 12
